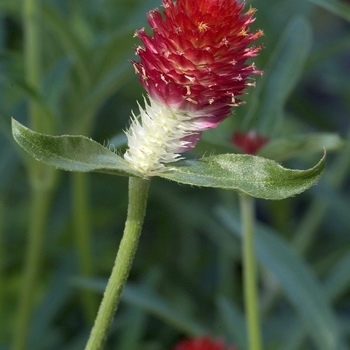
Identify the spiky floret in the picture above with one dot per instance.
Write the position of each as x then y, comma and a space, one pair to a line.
158, 136
194, 65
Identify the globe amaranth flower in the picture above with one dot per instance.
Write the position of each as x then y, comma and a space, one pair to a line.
193, 68
203, 343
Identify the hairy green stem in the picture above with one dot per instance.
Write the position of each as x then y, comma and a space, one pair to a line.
138, 191
82, 228
249, 273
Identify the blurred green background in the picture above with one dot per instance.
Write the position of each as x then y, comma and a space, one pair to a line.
64, 229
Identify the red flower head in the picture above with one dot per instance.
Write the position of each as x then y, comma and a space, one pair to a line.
193, 68
204, 343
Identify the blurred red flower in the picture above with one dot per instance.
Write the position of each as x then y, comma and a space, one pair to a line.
204, 343
250, 142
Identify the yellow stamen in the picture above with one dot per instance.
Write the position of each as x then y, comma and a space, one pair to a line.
202, 27
243, 32
251, 11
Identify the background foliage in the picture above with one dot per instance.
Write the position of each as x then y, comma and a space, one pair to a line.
186, 278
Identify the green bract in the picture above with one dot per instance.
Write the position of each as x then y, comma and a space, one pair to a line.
256, 176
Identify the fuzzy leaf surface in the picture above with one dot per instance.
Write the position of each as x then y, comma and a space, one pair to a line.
259, 177
71, 153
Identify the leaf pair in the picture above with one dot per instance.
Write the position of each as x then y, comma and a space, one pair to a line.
256, 176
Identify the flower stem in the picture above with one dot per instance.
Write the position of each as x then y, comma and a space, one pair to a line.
250, 280
138, 191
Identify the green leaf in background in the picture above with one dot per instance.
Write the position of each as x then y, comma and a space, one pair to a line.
298, 282
234, 321
68, 39
339, 8
280, 149
296, 145
157, 306
71, 153
256, 176
338, 280
281, 75
151, 302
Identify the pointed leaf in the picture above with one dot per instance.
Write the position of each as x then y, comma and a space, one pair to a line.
71, 153
256, 176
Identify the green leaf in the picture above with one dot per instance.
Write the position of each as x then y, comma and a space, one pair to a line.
282, 72
298, 282
2, 35
339, 8
56, 297
234, 322
291, 55
338, 280
151, 302
113, 52
256, 176
159, 307
279, 149
9, 162
296, 145
103, 88
71, 153
67, 38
